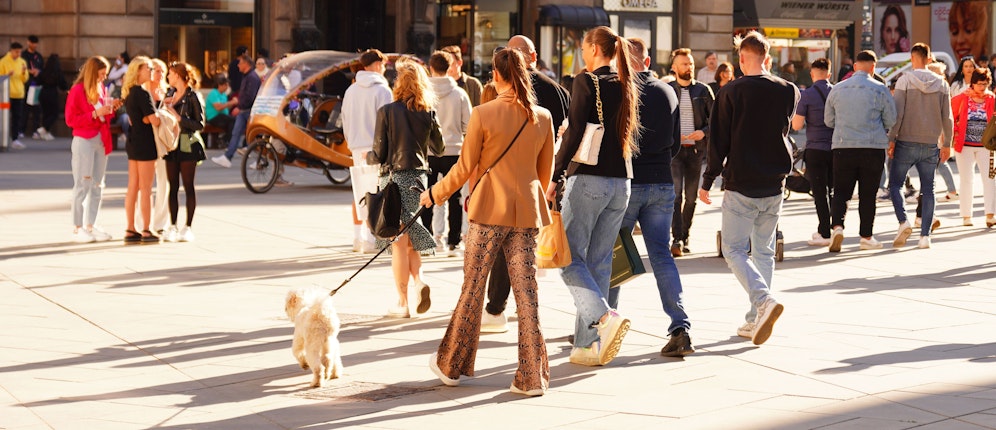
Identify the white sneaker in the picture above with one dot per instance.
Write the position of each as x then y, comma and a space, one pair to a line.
186, 234
44, 134
966, 221
16, 144
611, 332
171, 234
746, 330
99, 234
904, 232
924, 242
242, 151
439, 373
82, 236
494, 323
836, 239
222, 161
948, 197
36, 136
818, 240
767, 314
869, 243
440, 243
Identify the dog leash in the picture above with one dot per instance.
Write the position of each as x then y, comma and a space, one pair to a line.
404, 228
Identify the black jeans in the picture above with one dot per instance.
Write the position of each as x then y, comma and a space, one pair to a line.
686, 169
441, 166
223, 122
49, 99
861, 166
819, 172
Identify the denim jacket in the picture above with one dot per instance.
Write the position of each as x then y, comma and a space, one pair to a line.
860, 110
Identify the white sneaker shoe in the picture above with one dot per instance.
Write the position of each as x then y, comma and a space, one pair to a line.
171, 234
818, 240
948, 197
16, 144
439, 373
186, 234
494, 323
82, 236
99, 234
36, 136
746, 330
222, 161
767, 314
904, 232
44, 134
836, 239
924, 242
869, 243
611, 332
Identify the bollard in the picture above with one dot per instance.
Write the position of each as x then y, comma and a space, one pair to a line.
5, 124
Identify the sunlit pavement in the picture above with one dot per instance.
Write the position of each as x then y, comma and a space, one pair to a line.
193, 335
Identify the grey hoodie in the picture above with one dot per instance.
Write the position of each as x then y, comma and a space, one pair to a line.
923, 109
359, 109
453, 112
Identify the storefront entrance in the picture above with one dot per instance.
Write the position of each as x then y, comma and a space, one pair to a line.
204, 38
478, 27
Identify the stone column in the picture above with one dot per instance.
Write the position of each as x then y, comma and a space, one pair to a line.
306, 35
708, 27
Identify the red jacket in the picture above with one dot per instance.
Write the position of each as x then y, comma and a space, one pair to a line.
79, 117
959, 108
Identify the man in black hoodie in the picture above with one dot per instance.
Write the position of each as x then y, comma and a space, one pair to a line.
749, 146
651, 199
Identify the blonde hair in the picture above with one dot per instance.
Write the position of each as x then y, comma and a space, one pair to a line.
412, 86
89, 76
162, 65
131, 76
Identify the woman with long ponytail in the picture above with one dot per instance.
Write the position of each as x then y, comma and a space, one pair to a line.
509, 143
595, 196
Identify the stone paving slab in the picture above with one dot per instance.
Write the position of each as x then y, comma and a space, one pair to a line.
194, 335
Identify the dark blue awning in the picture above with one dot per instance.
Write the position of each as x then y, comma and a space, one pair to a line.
573, 16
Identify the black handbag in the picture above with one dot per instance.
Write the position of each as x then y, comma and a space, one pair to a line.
384, 210
626, 260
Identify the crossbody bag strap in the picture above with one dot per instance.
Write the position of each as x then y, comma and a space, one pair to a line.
504, 152
598, 97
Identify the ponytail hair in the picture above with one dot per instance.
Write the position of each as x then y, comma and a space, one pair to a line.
511, 65
628, 116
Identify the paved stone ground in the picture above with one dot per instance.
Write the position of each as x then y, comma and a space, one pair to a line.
192, 335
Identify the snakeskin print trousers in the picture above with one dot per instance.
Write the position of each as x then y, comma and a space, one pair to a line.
458, 349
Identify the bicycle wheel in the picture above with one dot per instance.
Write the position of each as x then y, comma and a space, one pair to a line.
336, 174
260, 166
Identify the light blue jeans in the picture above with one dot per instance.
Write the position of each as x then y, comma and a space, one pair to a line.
925, 158
749, 228
238, 133
653, 206
89, 165
593, 209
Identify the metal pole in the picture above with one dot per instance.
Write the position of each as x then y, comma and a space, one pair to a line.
5, 124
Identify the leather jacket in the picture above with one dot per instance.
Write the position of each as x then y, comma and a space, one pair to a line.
403, 138
702, 100
191, 110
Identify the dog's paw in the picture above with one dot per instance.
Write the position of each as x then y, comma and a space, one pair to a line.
304, 365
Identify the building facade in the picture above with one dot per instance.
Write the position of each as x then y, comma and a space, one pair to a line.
205, 33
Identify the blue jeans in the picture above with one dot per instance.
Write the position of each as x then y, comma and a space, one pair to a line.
653, 206
749, 227
593, 211
925, 158
238, 133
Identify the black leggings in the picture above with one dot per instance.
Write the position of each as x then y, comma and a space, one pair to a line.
174, 171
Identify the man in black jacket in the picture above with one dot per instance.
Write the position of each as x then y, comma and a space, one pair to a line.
695, 101
749, 146
651, 199
554, 98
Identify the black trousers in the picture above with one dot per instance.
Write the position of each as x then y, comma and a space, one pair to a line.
499, 286
223, 122
16, 117
864, 168
440, 166
686, 169
819, 172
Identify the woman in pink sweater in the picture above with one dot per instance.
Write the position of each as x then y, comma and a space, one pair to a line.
89, 112
972, 110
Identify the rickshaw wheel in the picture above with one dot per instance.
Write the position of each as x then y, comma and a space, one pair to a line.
337, 174
260, 166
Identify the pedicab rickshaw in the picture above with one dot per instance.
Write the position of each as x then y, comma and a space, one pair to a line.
296, 118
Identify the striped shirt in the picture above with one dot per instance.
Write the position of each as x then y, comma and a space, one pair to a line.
687, 117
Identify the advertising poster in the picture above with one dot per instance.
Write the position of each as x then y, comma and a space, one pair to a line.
892, 25
960, 28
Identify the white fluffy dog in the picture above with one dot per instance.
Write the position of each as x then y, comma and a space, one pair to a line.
316, 327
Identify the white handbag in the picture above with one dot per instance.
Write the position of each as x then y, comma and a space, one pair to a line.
591, 140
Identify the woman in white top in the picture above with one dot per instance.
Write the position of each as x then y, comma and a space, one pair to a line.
960, 80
